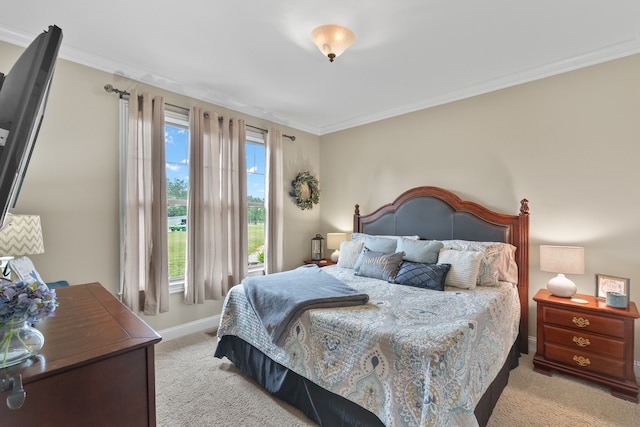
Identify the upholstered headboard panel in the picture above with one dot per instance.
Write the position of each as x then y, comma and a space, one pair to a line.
432, 218
437, 214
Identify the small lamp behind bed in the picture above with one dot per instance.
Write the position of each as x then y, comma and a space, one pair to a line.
562, 260
333, 242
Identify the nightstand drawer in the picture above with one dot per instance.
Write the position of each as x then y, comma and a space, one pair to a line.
584, 321
582, 340
585, 360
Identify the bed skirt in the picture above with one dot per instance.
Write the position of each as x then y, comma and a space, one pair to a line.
322, 406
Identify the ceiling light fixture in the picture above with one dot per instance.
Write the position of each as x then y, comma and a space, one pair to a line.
332, 40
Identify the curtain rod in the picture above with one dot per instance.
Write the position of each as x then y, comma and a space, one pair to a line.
123, 93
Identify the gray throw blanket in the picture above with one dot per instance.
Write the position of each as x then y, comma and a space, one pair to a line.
279, 299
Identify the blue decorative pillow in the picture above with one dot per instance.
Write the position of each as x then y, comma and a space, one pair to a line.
381, 244
420, 275
378, 265
425, 251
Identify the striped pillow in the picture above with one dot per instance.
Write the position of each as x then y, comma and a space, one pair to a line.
465, 266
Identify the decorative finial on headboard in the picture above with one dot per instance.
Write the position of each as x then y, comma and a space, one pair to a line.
357, 211
524, 206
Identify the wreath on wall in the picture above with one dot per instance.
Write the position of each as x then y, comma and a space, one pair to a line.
305, 192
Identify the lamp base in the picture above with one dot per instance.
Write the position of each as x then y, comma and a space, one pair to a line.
560, 286
335, 255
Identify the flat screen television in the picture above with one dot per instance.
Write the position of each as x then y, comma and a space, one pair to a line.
23, 98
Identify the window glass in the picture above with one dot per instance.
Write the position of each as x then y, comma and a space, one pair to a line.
177, 170
255, 198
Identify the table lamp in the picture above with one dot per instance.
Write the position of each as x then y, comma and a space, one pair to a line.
562, 260
21, 235
333, 242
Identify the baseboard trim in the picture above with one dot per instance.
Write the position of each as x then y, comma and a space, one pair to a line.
190, 328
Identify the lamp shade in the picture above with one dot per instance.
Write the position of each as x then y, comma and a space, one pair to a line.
562, 259
21, 235
332, 40
334, 240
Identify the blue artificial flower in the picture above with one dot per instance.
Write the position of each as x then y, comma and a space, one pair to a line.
21, 301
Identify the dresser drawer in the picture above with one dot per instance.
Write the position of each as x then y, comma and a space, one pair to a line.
584, 321
585, 360
583, 340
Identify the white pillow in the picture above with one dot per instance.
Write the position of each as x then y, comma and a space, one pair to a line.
465, 266
349, 253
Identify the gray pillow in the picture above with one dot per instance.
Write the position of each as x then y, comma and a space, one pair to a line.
379, 265
425, 251
381, 244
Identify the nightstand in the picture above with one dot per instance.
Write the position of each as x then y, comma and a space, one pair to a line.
321, 263
591, 341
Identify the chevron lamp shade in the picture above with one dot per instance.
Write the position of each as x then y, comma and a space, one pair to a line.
21, 235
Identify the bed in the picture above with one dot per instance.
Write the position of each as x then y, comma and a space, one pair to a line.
409, 356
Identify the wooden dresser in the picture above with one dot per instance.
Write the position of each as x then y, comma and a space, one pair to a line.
96, 367
592, 341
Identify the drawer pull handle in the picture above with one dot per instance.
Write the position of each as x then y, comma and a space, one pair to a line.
580, 322
581, 342
582, 361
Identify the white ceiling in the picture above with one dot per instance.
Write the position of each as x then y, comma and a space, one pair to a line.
256, 57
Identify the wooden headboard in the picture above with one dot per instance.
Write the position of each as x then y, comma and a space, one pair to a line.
437, 214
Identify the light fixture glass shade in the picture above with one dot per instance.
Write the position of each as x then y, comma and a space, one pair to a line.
562, 260
333, 242
332, 40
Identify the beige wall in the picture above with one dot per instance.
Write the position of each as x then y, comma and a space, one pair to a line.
72, 183
570, 144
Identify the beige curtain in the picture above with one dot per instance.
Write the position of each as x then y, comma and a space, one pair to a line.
217, 207
274, 246
145, 272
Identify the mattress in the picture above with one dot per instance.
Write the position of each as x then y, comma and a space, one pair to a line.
412, 357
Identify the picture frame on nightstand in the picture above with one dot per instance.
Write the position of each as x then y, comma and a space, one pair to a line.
606, 283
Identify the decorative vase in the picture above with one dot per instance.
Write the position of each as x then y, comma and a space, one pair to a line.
18, 342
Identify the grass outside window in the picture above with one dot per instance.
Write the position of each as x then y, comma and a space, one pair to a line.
177, 243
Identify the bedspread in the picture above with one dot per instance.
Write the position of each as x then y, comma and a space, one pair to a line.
413, 357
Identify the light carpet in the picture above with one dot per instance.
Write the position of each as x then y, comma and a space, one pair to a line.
195, 389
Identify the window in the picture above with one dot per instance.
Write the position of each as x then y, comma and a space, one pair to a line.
177, 173
176, 132
255, 199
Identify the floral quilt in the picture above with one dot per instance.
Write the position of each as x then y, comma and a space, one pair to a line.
413, 357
